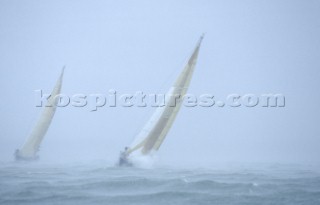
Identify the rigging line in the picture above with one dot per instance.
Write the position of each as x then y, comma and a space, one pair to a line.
171, 76
174, 73
147, 115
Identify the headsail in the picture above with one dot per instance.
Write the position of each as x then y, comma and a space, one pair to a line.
155, 131
31, 146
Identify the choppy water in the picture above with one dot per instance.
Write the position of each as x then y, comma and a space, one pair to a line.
100, 184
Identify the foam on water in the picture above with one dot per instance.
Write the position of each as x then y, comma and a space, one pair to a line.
143, 161
96, 183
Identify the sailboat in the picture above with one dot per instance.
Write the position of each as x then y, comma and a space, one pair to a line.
156, 129
30, 148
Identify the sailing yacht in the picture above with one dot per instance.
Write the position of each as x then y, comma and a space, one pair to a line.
156, 129
30, 148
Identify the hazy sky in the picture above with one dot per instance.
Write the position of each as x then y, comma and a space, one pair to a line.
250, 47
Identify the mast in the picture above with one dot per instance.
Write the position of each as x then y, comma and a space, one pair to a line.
31, 146
155, 131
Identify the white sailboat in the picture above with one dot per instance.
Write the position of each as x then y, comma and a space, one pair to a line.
155, 131
30, 148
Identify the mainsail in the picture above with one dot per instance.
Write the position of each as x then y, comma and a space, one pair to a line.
156, 129
31, 146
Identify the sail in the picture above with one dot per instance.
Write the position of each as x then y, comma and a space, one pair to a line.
156, 129
31, 146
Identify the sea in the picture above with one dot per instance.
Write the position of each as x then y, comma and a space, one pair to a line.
102, 183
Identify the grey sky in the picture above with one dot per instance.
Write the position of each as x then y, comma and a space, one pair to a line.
250, 47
